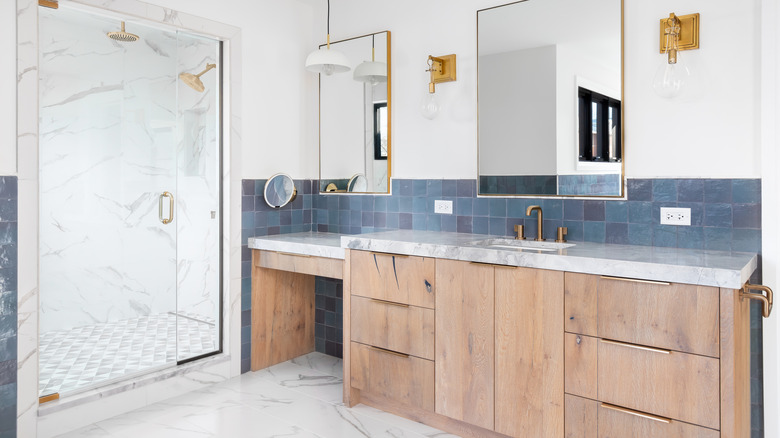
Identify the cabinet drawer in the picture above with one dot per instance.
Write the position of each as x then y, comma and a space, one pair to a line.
591, 419
671, 384
403, 328
405, 379
580, 375
392, 277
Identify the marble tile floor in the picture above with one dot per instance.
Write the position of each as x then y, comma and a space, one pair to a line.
298, 398
85, 356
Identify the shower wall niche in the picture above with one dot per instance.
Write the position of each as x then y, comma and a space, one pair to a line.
124, 147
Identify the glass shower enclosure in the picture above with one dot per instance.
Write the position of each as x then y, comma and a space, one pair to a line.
130, 208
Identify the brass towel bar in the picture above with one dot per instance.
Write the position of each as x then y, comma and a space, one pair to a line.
766, 300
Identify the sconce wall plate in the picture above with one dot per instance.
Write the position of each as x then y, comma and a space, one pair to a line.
689, 32
448, 69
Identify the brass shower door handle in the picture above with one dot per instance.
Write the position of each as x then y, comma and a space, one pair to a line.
169, 219
766, 300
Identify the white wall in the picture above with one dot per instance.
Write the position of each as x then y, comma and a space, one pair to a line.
726, 97
8, 88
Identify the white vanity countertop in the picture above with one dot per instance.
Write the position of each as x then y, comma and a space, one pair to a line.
309, 243
706, 268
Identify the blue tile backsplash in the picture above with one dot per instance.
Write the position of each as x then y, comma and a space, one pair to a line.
8, 304
726, 215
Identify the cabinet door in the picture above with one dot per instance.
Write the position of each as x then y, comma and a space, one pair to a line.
464, 342
529, 352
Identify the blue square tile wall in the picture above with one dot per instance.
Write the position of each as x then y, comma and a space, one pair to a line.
8, 304
328, 316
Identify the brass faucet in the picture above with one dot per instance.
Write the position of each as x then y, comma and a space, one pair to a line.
539, 220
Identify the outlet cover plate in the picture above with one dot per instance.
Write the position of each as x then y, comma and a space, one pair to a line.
442, 207
675, 216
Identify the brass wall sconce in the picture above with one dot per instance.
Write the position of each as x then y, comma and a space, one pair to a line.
677, 33
442, 69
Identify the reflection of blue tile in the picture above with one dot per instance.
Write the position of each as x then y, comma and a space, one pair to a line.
616, 233
481, 225
594, 231
717, 191
690, 190
717, 215
463, 206
464, 224
640, 212
746, 191
664, 235
419, 222
574, 210
449, 223
434, 187
481, 206
718, 239
498, 207
405, 221
616, 211
434, 222
640, 234
420, 187
497, 226
575, 231
594, 211
747, 215
690, 237
665, 190
515, 207
640, 190
449, 187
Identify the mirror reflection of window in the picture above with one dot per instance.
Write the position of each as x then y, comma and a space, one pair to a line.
599, 122
380, 131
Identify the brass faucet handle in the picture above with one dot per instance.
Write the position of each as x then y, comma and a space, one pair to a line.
562, 231
519, 232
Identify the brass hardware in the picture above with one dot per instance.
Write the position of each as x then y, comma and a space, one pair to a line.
48, 398
442, 69
636, 347
539, 221
169, 219
389, 303
685, 28
578, 339
394, 353
49, 4
291, 254
766, 301
493, 265
562, 231
389, 254
331, 188
519, 232
636, 413
636, 280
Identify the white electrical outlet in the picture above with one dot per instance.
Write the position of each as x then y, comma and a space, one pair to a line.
675, 216
442, 207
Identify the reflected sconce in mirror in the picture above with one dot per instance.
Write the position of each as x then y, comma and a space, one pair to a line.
442, 69
327, 60
371, 72
677, 33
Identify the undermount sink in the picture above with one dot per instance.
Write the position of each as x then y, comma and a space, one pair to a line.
530, 245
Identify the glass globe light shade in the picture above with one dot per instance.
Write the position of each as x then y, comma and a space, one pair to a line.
429, 106
669, 80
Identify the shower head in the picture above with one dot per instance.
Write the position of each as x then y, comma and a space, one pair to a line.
123, 36
193, 81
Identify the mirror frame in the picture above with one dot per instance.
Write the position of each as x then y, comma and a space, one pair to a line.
622, 194
268, 185
389, 120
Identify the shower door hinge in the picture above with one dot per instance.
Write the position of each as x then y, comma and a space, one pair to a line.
49, 4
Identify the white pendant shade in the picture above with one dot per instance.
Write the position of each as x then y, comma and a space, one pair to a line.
371, 71
327, 61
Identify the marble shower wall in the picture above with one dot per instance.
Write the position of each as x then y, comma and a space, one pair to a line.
111, 142
8, 304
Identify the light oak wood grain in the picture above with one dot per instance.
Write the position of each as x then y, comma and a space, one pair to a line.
677, 317
735, 364
320, 266
580, 302
351, 395
582, 417
581, 377
390, 277
680, 386
465, 342
282, 315
408, 329
529, 352
616, 424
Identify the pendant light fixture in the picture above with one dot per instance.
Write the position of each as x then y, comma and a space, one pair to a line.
372, 72
326, 60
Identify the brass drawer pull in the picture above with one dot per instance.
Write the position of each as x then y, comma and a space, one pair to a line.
291, 254
389, 254
637, 347
494, 265
389, 303
636, 280
766, 301
636, 413
394, 353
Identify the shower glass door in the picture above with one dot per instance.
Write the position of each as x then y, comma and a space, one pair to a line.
129, 200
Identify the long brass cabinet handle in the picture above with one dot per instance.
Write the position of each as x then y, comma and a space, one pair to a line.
169, 219
394, 353
636, 413
388, 303
636, 280
766, 300
636, 347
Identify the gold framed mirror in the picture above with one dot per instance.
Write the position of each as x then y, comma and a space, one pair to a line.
550, 99
355, 118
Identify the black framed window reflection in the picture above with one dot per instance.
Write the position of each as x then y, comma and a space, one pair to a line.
380, 131
599, 127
